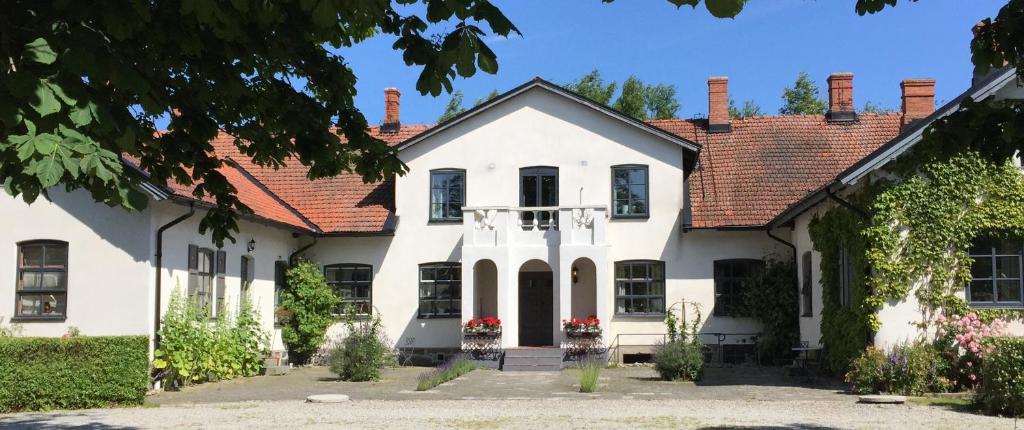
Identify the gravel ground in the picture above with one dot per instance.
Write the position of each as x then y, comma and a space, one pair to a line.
518, 414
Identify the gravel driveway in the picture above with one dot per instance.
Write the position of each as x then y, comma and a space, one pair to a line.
518, 414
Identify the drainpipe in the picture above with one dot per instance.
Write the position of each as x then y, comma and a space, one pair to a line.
863, 213
796, 276
159, 268
291, 257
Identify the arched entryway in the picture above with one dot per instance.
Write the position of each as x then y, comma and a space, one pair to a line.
584, 288
485, 289
536, 304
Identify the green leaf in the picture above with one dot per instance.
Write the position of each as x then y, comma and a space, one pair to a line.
43, 100
724, 8
49, 171
26, 150
39, 51
45, 143
80, 116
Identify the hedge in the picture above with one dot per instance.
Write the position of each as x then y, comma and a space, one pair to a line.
77, 372
1002, 377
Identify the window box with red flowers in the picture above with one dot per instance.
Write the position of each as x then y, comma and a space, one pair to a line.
486, 326
590, 327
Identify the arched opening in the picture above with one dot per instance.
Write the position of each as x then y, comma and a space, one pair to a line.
485, 289
584, 288
536, 304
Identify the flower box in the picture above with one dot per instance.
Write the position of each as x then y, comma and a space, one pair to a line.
590, 327
486, 326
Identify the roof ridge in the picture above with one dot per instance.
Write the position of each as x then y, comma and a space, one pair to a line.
237, 166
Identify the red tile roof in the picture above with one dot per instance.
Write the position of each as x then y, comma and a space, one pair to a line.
744, 177
765, 164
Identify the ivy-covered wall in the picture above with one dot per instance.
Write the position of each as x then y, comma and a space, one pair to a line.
916, 241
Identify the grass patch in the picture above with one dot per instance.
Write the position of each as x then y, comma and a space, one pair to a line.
949, 402
588, 374
446, 372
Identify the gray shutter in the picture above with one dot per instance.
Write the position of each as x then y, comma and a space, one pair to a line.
221, 264
222, 258
193, 265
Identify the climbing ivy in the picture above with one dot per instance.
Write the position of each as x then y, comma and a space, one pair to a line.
845, 330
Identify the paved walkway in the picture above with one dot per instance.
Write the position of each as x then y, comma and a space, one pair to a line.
743, 383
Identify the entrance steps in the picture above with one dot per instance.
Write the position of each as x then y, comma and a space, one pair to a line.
532, 359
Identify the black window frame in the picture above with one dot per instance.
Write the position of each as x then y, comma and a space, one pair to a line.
632, 280
993, 256
844, 271
629, 200
454, 283
806, 286
61, 290
335, 285
447, 202
729, 287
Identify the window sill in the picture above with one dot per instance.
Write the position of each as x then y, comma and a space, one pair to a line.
438, 317
1013, 306
640, 316
20, 319
444, 221
631, 217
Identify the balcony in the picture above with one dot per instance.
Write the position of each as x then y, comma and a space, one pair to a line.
493, 226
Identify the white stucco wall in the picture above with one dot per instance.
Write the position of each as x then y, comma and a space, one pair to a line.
810, 327
109, 249
541, 129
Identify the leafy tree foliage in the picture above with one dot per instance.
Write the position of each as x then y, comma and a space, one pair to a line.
84, 82
750, 108
307, 311
487, 98
802, 97
453, 108
637, 99
592, 86
872, 107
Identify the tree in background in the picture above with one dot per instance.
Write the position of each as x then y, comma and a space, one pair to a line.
872, 107
750, 108
454, 106
802, 97
637, 99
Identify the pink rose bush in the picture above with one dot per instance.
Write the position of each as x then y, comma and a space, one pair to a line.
961, 340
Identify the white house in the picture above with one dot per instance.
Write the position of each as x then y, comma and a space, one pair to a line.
534, 207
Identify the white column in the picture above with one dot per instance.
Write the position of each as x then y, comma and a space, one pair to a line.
468, 288
563, 291
508, 300
603, 285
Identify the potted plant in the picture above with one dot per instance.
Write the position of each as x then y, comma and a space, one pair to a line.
589, 327
486, 326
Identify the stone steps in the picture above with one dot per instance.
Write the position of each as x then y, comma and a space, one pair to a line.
532, 359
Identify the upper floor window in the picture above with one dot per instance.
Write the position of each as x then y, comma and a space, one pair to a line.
731, 280
447, 194
42, 284
805, 285
629, 192
353, 283
440, 290
996, 273
206, 269
640, 288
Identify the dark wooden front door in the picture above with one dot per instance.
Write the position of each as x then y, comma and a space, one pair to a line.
535, 309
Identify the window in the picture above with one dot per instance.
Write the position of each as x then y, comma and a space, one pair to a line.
42, 285
731, 278
353, 284
805, 285
447, 194
206, 278
995, 273
640, 288
629, 192
280, 279
440, 290
246, 268
845, 281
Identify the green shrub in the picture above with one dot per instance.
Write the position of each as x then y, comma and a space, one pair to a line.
193, 349
771, 299
679, 360
907, 369
77, 372
307, 311
1002, 377
362, 353
451, 369
588, 373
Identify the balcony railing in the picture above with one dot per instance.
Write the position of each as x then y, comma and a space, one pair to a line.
548, 225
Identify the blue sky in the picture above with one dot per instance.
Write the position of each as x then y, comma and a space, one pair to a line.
761, 51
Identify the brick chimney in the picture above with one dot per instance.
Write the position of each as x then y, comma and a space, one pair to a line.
918, 99
840, 97
718, 104
391, 104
